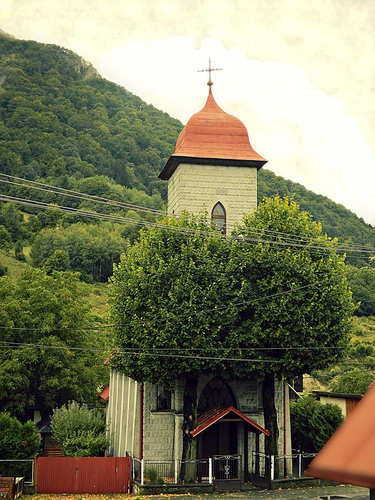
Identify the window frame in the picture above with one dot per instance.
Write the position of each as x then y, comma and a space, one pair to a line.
215, 218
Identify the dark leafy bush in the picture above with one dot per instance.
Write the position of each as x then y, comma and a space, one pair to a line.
313, 423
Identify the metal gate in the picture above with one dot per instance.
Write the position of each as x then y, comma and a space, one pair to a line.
83, 475
227, 472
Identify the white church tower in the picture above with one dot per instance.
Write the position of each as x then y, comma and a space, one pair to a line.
214, 168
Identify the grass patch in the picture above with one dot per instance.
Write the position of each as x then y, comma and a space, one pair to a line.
15, 267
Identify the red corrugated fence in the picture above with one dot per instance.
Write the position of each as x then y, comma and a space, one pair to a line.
83, 475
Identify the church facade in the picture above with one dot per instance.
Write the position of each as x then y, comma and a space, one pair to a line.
213, 170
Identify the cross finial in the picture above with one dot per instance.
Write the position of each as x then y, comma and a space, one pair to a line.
209, 71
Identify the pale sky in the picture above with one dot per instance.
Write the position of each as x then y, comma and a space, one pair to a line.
300, 74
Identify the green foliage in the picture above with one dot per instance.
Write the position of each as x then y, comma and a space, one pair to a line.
58, 261
91, 249
337, 221
357, 370
18, 251
201, 294
3, 269
172, 281
230, 307
313, 423
151, 474
61, 123
80, 431
85, 445
354, 381
5, 238
30, 439
306, 301
45, 319
17, 441
61, 120
362, 284
11, 218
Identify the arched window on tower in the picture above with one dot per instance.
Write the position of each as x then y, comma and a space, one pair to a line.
219, 217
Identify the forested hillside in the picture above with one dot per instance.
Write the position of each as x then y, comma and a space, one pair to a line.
63, 123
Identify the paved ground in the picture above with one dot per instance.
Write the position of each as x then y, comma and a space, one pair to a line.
313, 493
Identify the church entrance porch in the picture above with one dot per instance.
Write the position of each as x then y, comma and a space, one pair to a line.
217, 432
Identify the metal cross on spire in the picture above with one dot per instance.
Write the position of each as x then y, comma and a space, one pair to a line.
209, 71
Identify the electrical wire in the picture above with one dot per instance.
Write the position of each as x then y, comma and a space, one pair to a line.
338, 247
40, 186
293, 240
157, 353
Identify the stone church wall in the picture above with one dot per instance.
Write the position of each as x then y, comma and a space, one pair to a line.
162, 438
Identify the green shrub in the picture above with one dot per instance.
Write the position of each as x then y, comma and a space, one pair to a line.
151, 474
313, 423
80, 431
5, 238
353, 381
18, 251
3, 269
17, 441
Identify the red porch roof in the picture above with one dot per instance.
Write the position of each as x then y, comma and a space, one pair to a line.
213, 415
104, 395
348, 457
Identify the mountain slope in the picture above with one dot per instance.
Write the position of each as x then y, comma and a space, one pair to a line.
59, 120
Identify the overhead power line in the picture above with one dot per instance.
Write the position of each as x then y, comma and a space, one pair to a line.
160, 354
260, 236
264, 237
40, 186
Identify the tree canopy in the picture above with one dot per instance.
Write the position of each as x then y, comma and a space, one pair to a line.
362, 284
184, 286
91, 249
353, 381
302, 303
270, 301
165, 296
49, 352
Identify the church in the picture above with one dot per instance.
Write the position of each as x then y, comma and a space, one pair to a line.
214, 170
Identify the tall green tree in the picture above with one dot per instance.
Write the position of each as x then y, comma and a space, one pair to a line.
165, 297
263, 303
11, 218
49, 353
301, 319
